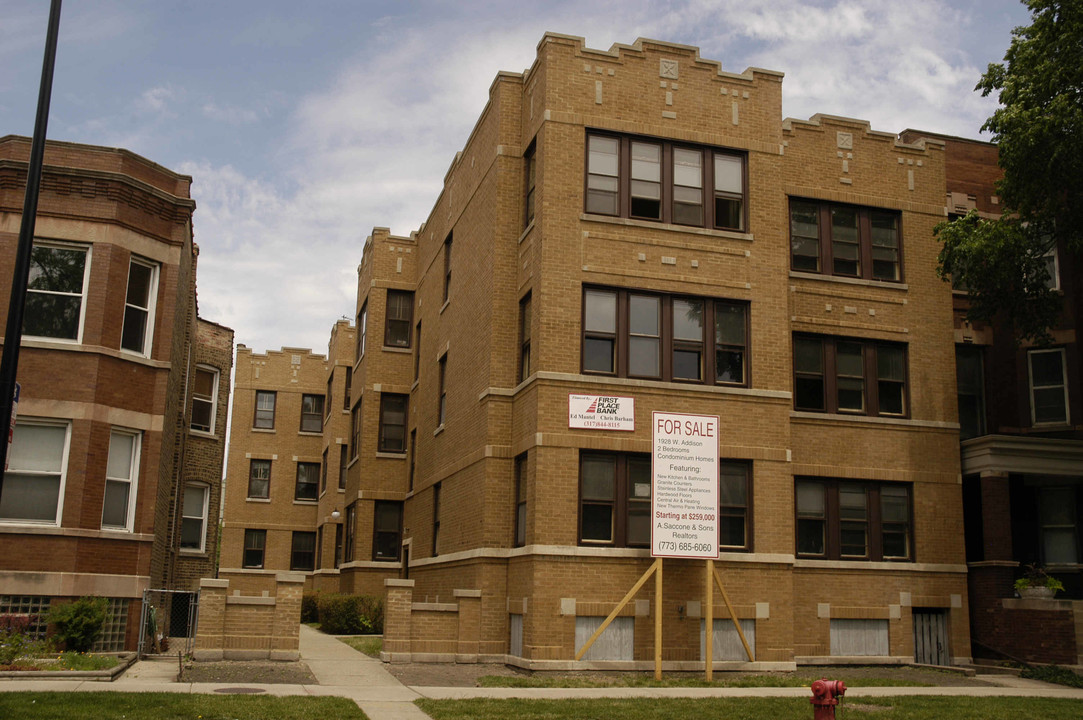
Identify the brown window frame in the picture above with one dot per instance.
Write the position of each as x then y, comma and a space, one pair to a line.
525, 311
323, 471
447, 267
386, 399
519, 470
338, 545
734, 510
829, 374
249, 549
262, 423
251, 476
530, 168
362, 330
398, 324
344, 463
329, 396
708, 346
350, 532
355, 430
639, 206
436, 492
825, 260
619, 502
348, 388
832, 521
441, 403
379, 535
308, 468
302, 560
312, 415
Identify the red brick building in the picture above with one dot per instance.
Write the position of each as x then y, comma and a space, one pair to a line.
114, 478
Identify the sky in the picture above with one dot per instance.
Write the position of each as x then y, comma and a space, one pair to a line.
305, 125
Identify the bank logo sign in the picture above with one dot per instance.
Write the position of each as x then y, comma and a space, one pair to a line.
601, 412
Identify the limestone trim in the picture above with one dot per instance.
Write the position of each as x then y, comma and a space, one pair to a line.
96, 350
1003, 454
542, 551
16, 528
877, 567
64, 584
839, 419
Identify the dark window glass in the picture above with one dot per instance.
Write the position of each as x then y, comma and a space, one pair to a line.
733, 506
137, 304
970, 384
853, 520
392, 423
303, 552
600, 331
265, 410
312, 413
831, 375
520, 500
254, 543
387, 530
54, 293
308, 480
845, 240
400, 314
259, 479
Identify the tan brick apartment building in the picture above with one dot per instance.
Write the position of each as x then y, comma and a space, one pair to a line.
114, 478
639, 223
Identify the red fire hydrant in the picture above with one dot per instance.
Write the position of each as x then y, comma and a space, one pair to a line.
825, 696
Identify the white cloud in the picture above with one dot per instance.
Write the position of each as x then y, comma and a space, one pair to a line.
156, 99
229, 114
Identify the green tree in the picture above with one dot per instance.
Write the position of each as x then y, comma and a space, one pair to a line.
1039, 130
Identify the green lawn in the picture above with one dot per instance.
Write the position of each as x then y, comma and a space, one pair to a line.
367, 644
747, 681
891, 708
172, 706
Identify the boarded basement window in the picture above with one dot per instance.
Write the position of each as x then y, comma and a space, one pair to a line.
859, 637
615, 643
727, 643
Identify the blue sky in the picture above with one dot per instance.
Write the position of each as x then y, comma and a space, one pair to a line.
305, 125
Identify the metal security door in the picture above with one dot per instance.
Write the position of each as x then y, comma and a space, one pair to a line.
930, 637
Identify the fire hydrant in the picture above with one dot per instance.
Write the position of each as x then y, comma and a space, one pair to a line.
825, 696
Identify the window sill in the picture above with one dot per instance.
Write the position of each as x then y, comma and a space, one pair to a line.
885, 284
843, 418
439, 429
203, 434
392, 455
671, 227
399, 350
193, 554
310, 433
257, 500
306, 502
263, 430
413, 386
1051, 427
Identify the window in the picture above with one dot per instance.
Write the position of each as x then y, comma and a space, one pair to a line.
417, 351
520, 500
1057, 517
734, 506
524, 338
400, 315
447, 268
194, 516
441, 410
139, 306
56, 291
970, 386
1048, 387
37, 468
853, 520
319, 547
338, 545
845, 240
685, 339
355, 431
312, 413
351, 529
614, 499
362, 329
323, 473
435, 519
303, 551
121, 475
255, 541
343, 463
393, 423
531, 159
665, 182
842, 375
413, 459
1051, 266
330, 387
204, 399
265, 410
349, 389
259, 479
386, 530
308, 481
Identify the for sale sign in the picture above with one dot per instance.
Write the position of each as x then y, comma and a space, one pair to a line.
601, 412
684, 501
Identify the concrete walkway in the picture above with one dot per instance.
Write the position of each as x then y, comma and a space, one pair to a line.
344, 672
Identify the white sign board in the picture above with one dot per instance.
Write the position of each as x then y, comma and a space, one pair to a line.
684, 501
601, 412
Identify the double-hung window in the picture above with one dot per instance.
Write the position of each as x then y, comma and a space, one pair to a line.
204, 399
308, 481
386, 530
350, 531
194, 512
393, 423
121, 478
265, 410
663, 181
138, 331
400, 313
312, 413
524, 338
255, 542
303, 551
635, 334
259, 479
970, 387
355, 430
842, 375
734, 506
845, 240
531, 161
520, 500
614, 499
56, 291
853, 520
1048, 387
37, 468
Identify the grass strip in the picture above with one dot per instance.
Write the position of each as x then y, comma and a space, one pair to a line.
744, 681
172, 706
371, 646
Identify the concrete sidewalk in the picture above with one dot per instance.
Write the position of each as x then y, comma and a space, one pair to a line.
344, 672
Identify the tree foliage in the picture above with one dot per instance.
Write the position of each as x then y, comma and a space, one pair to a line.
1039, 130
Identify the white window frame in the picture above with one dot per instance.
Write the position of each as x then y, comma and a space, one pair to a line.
88, 249
1053, 283
206, 503
1064, 386
150, 309
213, 400
132, 480
63, 471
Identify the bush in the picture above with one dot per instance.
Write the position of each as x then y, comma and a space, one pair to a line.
79, 623
15, 642
310, 607
350, 614
1053, 674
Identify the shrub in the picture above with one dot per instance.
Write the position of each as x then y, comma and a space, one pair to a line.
79, 622
15, 642
310, 607
1053, 674
350, 614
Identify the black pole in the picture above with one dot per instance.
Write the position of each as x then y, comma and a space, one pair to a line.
13, 335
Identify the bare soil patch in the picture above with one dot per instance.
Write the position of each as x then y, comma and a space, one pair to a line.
261, 672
